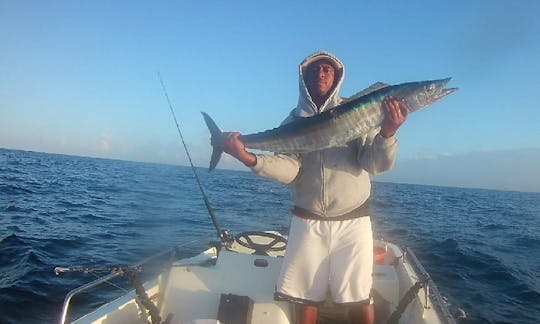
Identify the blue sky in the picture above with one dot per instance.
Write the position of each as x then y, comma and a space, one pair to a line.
80, 77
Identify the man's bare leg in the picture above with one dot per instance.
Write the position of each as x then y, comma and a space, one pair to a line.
306, 314
362, 314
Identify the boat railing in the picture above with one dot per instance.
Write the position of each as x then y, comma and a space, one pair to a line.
115, 272
82, 288
430, 289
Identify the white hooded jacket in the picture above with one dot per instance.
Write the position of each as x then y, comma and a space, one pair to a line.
334, 181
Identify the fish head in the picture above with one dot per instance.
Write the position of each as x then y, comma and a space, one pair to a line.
418, 95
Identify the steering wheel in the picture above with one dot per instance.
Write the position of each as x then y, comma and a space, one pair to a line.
245, 239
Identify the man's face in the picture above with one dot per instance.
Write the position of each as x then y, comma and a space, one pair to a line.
319, 78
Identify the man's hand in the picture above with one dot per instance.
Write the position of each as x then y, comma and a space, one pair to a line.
230, 143
395, 114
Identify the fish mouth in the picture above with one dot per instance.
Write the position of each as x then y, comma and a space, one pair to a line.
443, 83
425, 93
438, 88
448, 91
443, 92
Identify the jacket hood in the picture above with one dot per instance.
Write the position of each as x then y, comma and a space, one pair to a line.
306, 107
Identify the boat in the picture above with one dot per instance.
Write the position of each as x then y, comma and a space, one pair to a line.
233, 281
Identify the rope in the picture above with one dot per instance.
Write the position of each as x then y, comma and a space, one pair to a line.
139, 289
110, 283
405, 301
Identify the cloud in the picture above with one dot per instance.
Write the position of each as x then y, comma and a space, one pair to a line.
62, 142
104, 143
517, 169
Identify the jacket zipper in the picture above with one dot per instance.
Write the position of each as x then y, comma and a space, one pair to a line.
323, 184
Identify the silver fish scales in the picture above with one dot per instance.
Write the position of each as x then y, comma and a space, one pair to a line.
338, 125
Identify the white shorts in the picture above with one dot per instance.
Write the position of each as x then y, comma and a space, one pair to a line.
322, 255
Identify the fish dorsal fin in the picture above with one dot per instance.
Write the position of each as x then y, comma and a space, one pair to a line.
374, 87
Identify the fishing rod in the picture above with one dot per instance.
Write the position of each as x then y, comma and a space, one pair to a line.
222, 234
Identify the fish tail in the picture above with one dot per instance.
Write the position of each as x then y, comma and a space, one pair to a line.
215, 135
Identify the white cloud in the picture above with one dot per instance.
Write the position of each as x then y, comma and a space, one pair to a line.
62, 142
104, 143
517, 169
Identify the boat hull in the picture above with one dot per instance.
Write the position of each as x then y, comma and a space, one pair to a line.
232, 284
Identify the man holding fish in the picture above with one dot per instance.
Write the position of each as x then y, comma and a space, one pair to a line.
330, 245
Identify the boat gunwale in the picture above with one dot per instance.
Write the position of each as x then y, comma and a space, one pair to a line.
430, 288
407, 257
119, 272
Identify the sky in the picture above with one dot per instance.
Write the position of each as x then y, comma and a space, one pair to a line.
81, 78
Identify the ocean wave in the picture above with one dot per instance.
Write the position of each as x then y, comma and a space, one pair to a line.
479, 246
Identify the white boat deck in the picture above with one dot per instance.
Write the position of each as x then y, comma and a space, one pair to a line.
234, 273
239, 287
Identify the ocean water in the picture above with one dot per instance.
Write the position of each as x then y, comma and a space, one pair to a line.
481, 247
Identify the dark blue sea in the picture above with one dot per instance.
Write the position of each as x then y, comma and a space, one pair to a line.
481, 247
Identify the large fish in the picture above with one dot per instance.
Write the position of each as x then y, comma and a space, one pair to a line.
338, 125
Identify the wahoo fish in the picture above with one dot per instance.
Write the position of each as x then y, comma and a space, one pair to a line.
347, 121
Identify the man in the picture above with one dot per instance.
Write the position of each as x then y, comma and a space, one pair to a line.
330, 238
